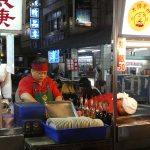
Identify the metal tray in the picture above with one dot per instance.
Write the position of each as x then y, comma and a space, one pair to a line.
133, 127
60, 109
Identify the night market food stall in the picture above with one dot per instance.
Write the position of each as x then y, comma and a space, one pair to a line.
11, 23
20, 121
124, 128
131, 26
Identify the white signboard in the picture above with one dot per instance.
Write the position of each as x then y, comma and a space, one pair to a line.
10, 15
136, 19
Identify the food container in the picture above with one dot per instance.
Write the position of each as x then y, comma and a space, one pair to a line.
75, 134
24, 111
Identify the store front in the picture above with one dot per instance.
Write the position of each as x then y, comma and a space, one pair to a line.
133, 58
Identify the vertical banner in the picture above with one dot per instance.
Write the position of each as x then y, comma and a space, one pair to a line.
121, 54
10, 53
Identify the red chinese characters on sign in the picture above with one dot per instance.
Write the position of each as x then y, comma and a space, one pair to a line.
121, 53
4, 14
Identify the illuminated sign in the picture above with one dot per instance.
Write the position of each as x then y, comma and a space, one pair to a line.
83, 17
34, 23
34, 34
53, 56
11, 15
35, 3
83, 12
34, 12
136, 20
34, 20
121, 54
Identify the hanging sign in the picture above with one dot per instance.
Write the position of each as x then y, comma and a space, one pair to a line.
34, 23
34, 20
10, 15
34, 34
136, 20
121, 54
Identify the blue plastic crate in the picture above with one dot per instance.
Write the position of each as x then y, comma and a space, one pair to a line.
24, 111
75, 135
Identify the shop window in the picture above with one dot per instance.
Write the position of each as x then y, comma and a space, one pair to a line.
55, 20
58, 23
48, 26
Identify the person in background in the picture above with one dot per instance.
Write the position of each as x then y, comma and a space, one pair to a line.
69, 93
37, 86
125, 104
58, 84
86, 90
99, 82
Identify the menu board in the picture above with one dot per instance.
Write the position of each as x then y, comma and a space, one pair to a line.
72, 64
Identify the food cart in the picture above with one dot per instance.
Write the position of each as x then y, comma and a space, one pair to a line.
131, 131
12, 21
124, 128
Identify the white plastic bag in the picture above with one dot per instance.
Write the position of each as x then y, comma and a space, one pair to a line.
6, 87
3, 72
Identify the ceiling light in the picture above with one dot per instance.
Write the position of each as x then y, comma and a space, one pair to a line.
137, 44
96, 50
139, 49
81, 51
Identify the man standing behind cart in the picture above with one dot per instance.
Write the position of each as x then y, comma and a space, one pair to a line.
37, 86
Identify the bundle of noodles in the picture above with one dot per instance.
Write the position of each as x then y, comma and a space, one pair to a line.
74, 122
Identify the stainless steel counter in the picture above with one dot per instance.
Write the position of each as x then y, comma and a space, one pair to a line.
11, 139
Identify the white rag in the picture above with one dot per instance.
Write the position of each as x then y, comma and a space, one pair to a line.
129, 104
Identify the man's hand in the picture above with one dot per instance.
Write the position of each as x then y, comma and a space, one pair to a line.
26, 97
58, 98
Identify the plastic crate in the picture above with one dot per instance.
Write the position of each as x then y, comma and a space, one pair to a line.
23, 111
75, 135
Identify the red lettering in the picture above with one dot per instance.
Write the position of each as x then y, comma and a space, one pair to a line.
6, 3
4, 16
121, 58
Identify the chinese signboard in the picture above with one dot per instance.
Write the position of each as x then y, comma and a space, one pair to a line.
34, 12
34, 20
34, 23
53, 56
10, 15
34, 34
121, 51
136, 20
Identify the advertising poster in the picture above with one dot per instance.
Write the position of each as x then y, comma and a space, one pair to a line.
121, 54
136, 19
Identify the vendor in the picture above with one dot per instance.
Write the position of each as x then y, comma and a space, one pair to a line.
37, 86
87, 91
125, 104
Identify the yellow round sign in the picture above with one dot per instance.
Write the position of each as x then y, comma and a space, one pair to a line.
139, 16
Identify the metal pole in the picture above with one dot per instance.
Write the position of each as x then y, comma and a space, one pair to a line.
115, 36
0, 112
0, 89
